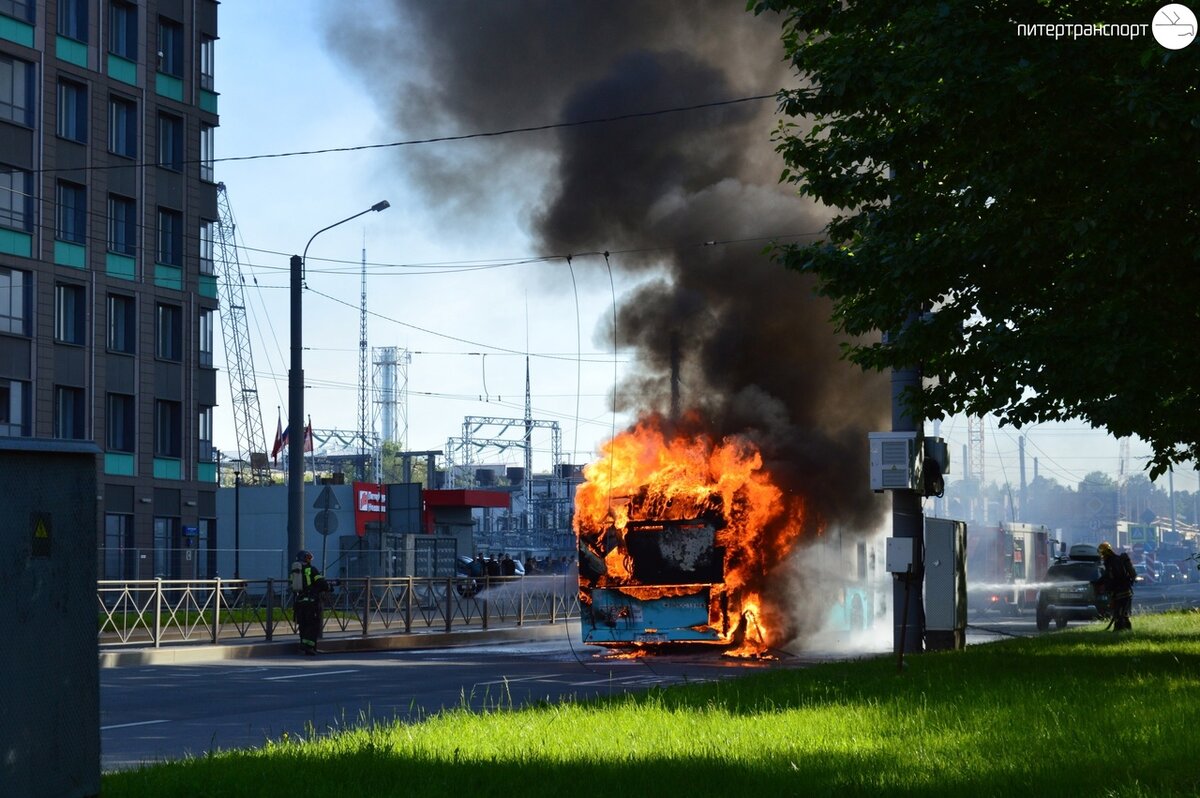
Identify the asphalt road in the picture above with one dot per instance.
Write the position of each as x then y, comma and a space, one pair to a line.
160, 712
166, 712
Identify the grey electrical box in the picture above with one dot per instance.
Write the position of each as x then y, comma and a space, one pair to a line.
49, 677
935, 449
895, 461
945, 583
899, 555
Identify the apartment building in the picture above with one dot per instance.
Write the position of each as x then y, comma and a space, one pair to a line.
108, 296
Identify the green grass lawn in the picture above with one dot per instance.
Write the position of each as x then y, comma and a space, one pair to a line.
122, 621
1079, 713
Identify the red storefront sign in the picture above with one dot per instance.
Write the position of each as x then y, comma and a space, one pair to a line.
370, 506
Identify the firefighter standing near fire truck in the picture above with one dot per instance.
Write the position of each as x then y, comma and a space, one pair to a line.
1118, 578
307, 587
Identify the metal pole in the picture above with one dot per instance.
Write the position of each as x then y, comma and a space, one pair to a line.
295, 537
295, 529
237, 524
1171, 488
908, 631
1023, 515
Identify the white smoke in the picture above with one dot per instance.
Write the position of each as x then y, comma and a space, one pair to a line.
837, 596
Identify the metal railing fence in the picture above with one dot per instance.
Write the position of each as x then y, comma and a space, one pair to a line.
154, 612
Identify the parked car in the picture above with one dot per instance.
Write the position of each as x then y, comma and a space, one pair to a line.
1146, 575
1170, 574
1071, 594
473, 574
469, 581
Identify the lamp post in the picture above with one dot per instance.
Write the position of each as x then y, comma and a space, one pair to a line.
295, 529
237, 523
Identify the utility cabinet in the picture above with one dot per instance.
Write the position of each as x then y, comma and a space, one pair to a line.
49, 676
945, 584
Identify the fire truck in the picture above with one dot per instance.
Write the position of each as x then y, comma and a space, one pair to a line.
1005, 565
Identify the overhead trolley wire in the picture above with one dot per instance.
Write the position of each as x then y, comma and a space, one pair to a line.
600, 120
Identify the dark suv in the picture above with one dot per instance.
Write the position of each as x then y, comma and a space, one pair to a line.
1071, 593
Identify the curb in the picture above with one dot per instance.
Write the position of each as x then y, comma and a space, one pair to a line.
184, 654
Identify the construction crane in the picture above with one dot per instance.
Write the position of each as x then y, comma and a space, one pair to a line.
247, 415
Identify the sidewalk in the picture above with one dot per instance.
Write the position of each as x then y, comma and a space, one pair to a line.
191, 653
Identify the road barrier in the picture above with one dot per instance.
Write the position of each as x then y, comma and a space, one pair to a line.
154, 612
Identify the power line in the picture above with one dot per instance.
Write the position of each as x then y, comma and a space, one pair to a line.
434, 139
528, 259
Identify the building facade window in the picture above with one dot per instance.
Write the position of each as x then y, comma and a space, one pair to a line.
121, 416
122, 225
166, 532
70, 219
169, 332
16, 301
70, 313
204, 432
122, 127
69, 416
73, 19
16, 198
170, 47
16, 90
15, 409
119, 562
19, 9
207, 318
170, 142
122, 324
208, 231
208, 52
170, 237
72, 111
207, 144
123, 29
168, 428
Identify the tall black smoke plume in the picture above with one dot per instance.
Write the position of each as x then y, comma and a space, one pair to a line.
757, 352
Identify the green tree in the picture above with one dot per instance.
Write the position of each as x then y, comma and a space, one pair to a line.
393, 465
1097, 480
1031, 200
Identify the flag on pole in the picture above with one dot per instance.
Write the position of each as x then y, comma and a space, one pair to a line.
280, 439
308, 440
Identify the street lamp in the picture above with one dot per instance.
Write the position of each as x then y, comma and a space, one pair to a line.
237, 522
295, 516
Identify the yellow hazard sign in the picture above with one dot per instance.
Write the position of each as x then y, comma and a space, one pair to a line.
42, 529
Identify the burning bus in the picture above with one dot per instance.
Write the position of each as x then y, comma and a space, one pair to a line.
678, 535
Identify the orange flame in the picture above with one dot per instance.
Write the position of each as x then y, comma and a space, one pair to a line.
650, 474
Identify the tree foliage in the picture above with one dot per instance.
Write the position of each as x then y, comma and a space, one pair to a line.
1018, 212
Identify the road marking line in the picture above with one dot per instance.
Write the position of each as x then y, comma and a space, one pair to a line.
306, 675
127, 725
615, 680
521, 679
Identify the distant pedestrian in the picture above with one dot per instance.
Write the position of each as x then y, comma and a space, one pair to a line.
307, 587
1117, 580
507, 566
493, 566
